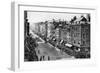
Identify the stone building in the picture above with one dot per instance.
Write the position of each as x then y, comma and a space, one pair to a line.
80, 35
85, 35
76, 35
66, 34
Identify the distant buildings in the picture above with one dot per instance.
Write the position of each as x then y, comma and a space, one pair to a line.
66, 34
76, 32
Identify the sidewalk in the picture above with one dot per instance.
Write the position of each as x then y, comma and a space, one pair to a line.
35, 35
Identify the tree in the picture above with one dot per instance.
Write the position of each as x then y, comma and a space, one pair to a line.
29, 47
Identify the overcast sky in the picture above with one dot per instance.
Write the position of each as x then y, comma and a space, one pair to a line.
34, 17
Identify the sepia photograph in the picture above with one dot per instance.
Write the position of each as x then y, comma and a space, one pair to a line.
56, 35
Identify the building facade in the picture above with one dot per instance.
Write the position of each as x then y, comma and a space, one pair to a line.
76, 35
80, 35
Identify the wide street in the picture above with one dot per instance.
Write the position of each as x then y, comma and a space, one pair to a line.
47, 50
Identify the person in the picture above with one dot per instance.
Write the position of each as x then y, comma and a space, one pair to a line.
48, 57
41, 58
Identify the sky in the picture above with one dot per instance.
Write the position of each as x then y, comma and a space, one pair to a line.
34, 17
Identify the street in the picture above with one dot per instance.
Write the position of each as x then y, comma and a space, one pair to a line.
45, 49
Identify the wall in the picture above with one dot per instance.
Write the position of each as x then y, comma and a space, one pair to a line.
5, 38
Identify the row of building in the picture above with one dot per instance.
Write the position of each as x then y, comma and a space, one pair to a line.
76, 33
